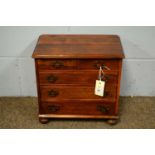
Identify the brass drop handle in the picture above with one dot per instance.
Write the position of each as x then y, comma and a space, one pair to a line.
57, 64
103, 109
105, 78
53, 93
53, 108
51, 78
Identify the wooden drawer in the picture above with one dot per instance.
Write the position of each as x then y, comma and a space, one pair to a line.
57, 64
67, 68
95, 64
68, 64
75, 77
78, 108
73, 92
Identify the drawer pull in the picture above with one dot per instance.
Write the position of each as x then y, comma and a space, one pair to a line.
97, 66
57, 64
53, 108
53, 93
105, 78
103, 109
51, 78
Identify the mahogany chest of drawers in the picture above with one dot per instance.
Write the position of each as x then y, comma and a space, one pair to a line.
67, 68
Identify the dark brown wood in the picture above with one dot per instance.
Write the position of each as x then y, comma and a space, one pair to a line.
83, 64
85, 77
78, 46
67, 67
76, 92
118, 85
78, 108
107, 65
78, 116
55, 64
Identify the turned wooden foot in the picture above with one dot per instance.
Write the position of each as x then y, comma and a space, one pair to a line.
112, 121
43, 120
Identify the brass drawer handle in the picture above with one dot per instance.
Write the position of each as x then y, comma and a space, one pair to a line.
51, 78
97, 66
53, 108
105, 78
103, 109
57, 64
53, 93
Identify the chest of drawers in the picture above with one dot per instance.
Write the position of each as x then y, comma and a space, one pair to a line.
67, 67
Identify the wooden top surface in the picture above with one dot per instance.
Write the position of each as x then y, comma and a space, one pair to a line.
78, 46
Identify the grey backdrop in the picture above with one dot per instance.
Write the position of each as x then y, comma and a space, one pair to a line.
17, 74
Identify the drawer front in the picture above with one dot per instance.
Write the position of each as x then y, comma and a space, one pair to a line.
69, 64
78, 108
75, 77
95, 64
76, 92
50, 64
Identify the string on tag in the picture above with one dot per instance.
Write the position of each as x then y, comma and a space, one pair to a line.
100, 73
100, 85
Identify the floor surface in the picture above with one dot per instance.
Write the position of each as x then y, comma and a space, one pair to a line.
21, 112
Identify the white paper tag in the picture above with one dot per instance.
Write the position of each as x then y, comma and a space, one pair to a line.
99, 87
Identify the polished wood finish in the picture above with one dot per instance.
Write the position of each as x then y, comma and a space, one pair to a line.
74, 92
73, 77
95, 64
67, 67
78, 108
47, 64
108, 117
78, 46
70, 64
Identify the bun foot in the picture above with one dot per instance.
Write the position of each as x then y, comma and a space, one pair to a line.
43, 120
112, 121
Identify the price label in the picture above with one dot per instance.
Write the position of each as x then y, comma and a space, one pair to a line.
99, 87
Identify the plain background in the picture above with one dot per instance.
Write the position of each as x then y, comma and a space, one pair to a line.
77, 13
17, 72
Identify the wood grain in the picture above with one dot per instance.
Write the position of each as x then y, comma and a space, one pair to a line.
85, 77
78, 108
67, 67
76, 92
78, 46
